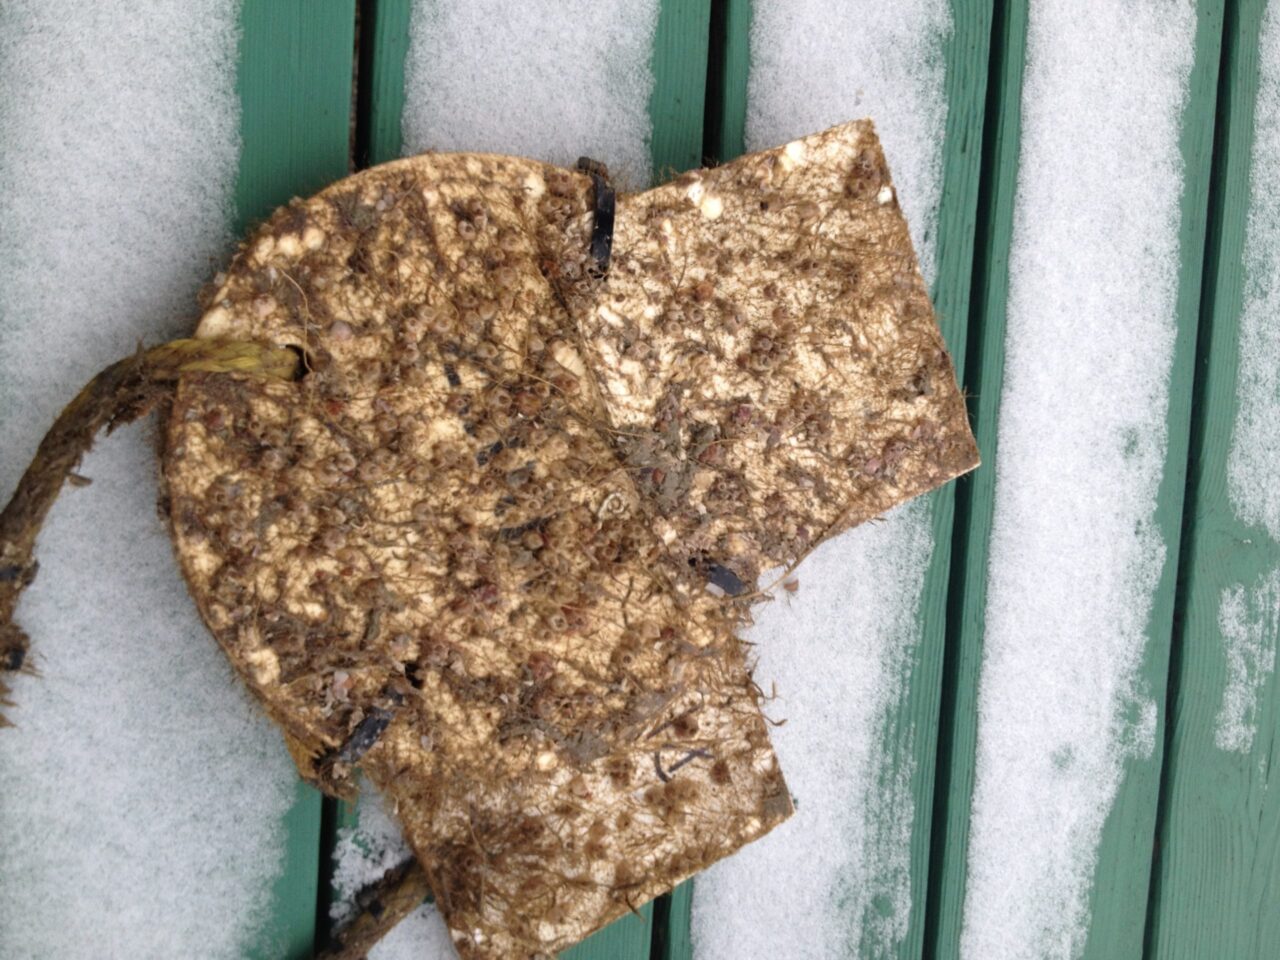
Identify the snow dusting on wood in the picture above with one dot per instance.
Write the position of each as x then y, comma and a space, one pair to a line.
1249, 612
1075, 554
548, 79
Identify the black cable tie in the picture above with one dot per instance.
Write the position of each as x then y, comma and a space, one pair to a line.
605, 207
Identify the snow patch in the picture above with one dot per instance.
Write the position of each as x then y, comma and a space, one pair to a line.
363, 854
835, 880
1075, 553
1249, 621
1253, 470
1248, 616
143, 793
549, 79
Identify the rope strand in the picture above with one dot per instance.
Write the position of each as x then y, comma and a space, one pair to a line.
119, 394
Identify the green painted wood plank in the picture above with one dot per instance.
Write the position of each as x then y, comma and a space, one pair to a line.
1217, 891
1122, 878
915, 727
294, 80
671, 924
625, 939
384, 44
1120, 887
909, 741
680, 85
725, 136
975, 494
295, 95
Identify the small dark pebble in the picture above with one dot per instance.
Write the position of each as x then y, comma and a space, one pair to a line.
725, 579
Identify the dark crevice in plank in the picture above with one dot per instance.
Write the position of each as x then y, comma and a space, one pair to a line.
1199, 423
962, 529
725, 114
383, 48
671, 915
983, 372
713, 112
324, 892
353, 137
380, 51
658, 945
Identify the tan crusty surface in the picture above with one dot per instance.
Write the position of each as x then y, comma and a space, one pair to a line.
487, 518
769, 354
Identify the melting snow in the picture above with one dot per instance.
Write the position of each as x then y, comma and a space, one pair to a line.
1248, 613
364, 853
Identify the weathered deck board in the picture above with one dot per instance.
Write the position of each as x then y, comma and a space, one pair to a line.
295, 99
680, 85
975, 493
910, 737
967, 55
294, 79
1121, 879
1217, 891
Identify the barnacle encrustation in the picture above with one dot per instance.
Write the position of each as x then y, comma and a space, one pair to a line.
488, 527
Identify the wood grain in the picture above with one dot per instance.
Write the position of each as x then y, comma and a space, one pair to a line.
680, 85
1217, 891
